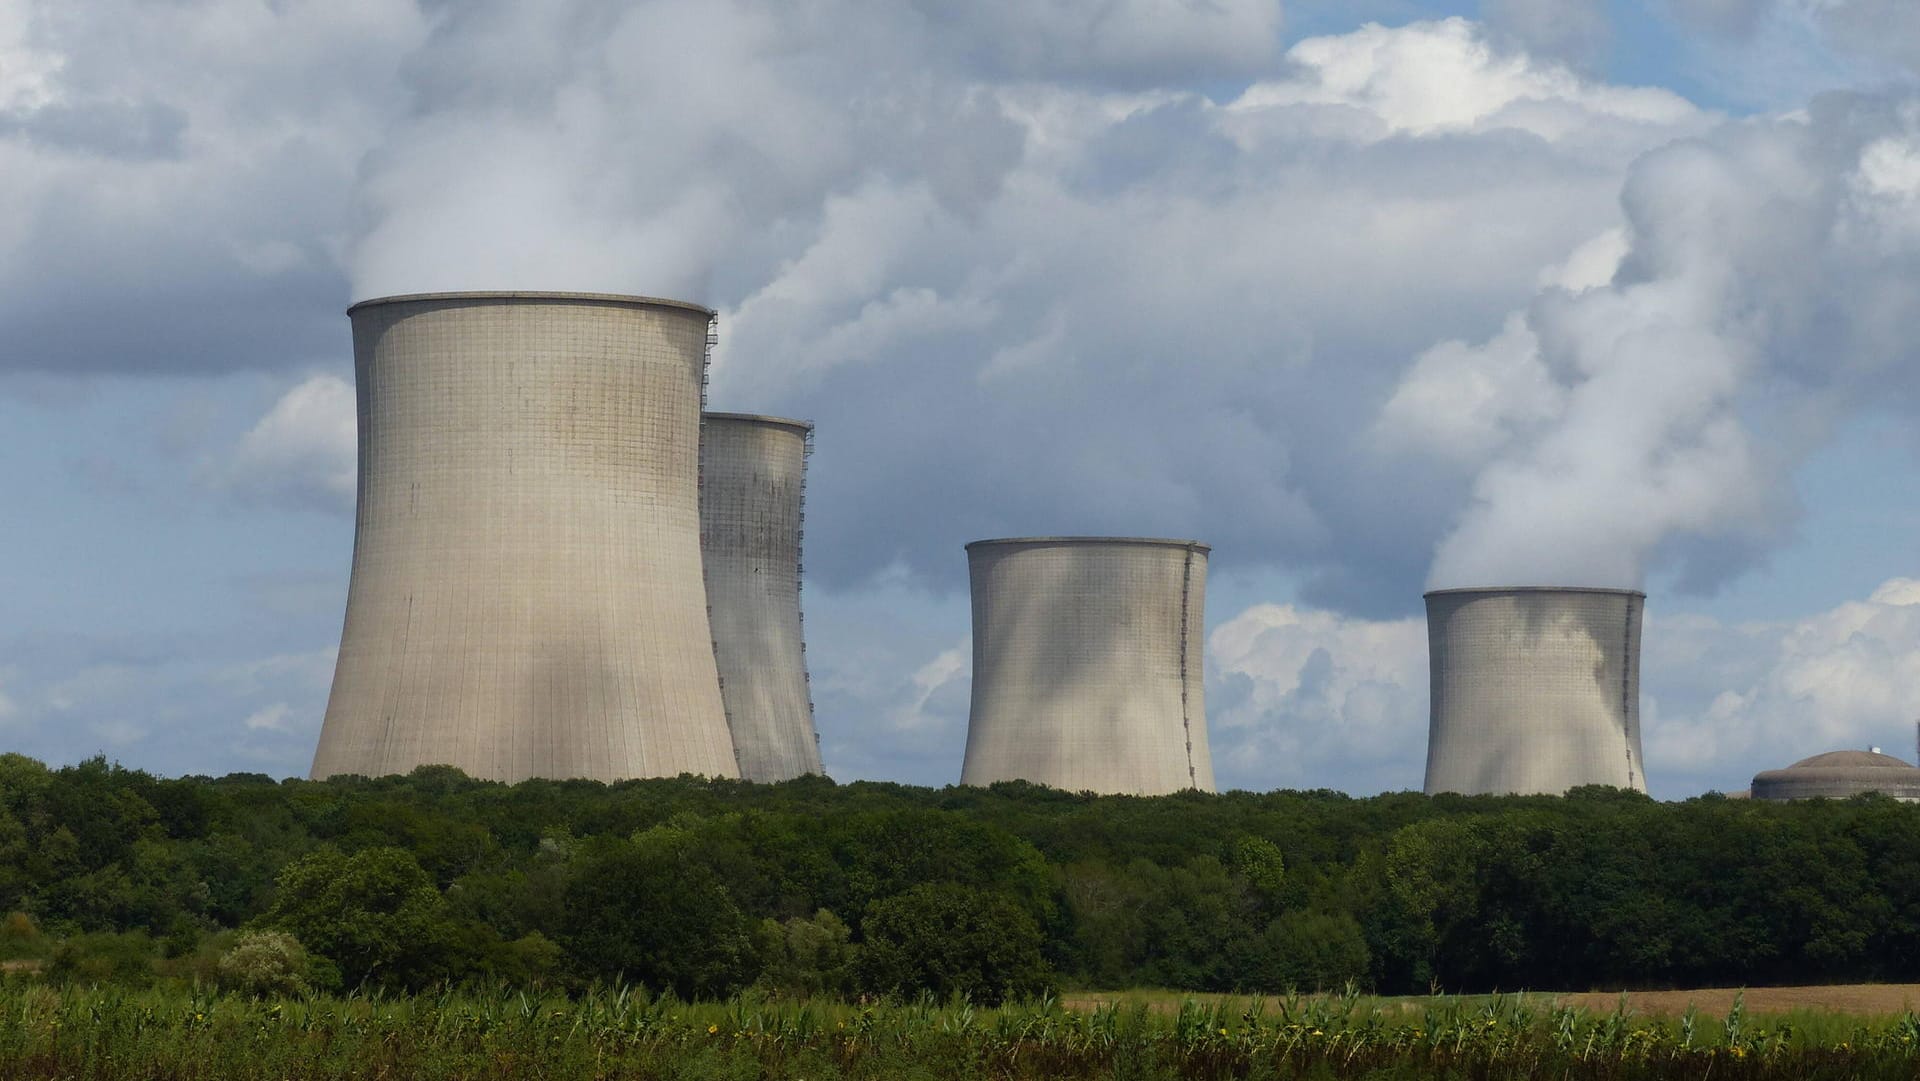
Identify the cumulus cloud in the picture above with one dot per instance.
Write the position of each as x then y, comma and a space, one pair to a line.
1463, 402
309, 672
1763, 289
1040, 267
1298, 695
182, 209
1045, 266
1110, 41
272, 718
302, 453
585, 145
171, 702
1736, 17
1887, 31
1577, 31
1743, 697
1175, 314
1448, 76
1082, 293
9, 710
891, 710
936, 687
1299, 698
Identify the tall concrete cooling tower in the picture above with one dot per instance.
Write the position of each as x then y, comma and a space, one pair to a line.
752, 484
1087, 664
1535, 690
526, 598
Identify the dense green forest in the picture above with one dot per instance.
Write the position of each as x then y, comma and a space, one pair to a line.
809, 887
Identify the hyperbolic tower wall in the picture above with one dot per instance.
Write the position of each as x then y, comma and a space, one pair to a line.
1535, 690
526, 598
752, 483
1087, 664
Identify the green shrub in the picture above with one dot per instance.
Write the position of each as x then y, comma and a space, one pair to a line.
532, 960
654, 911
104, 957
375, 915
1310, 951
804, 957
265, 963
21, 937
952, 940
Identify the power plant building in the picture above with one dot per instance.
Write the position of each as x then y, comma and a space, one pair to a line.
1536, 690
526, 597
1087, 664
1839, 774
752, 483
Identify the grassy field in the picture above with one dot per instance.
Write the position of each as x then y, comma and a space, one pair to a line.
107, 1034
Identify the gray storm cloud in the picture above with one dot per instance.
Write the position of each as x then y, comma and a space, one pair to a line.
1766, 291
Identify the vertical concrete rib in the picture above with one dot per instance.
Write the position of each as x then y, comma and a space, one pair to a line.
752, 497
1087, 665
526, 598
1535, 690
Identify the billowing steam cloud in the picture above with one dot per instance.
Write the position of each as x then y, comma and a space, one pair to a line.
1025, 230
649, 147
1037, 283
1769, 284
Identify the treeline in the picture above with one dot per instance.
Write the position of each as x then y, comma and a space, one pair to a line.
808, 887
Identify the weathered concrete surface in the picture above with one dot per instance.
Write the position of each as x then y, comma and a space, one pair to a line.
526, 598
1535, 690
752, 483
1087, 664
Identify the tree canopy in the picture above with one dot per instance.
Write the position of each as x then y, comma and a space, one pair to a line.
706, 887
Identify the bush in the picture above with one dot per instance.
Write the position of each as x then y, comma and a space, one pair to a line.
806, 957
104, 957
949, 939
532, 960
265, 963
653, 911
1310, 951
20, 937
375, 915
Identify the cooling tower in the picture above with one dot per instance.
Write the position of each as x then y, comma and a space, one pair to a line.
526, 598
1087, 664
1535, 690
752, 483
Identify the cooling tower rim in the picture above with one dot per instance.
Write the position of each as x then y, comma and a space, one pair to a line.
1490, 590
1063, 542
622, 299
759, 418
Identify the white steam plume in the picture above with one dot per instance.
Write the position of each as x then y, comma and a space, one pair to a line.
1768, 287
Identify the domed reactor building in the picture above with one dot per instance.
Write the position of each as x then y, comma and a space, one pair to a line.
1839, 774
1087, 664
752, 488
526, 598
1536, 690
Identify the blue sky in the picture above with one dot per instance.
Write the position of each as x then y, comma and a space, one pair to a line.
1369, 295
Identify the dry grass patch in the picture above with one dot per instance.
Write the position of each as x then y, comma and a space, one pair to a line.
1861, 1000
